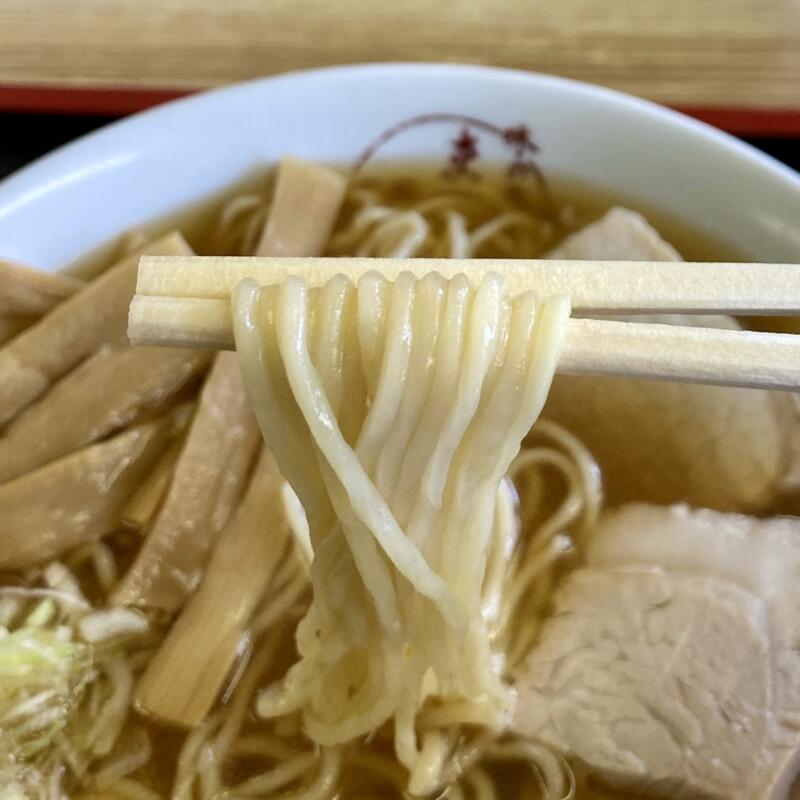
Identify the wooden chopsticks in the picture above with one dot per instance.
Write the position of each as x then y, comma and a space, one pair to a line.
613, 287
680, 353
185, 301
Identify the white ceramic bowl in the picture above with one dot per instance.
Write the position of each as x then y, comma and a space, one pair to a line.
87, 192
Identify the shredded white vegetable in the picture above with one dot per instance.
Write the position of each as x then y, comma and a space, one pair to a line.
100, 626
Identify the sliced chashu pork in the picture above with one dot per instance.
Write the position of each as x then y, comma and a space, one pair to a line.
620, 235
671, 663
665, 442
760, 556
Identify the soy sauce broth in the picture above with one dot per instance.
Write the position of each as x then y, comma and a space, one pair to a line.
569, 205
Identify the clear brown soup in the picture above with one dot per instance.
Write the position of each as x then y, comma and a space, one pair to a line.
568, 206
405, 185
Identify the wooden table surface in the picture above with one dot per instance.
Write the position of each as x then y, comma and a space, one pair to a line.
736, 62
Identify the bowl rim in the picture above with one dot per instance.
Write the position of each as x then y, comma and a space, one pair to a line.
26, 177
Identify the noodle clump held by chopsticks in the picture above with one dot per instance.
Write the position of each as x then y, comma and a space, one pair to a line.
395, 411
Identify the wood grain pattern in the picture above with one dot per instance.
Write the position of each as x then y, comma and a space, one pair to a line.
710, 53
